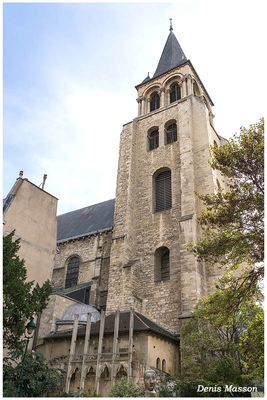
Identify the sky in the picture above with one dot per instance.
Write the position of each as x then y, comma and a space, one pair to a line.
69, 76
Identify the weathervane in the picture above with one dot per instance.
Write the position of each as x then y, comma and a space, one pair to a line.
170, 24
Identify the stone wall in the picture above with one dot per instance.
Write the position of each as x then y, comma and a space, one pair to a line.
90, 249
138, 230
162, 349
94, 254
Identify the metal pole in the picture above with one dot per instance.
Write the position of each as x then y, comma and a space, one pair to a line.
21, 368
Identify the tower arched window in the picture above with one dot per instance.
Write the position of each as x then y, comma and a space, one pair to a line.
164, 365
154, 101
153, 139
175, 92
163, 190
171, 133
158, 363
72, 272
162, 264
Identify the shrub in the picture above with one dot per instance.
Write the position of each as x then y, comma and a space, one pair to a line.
125, 388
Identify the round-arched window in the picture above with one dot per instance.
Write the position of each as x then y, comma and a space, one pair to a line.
171, 133
162, 264
163, 190
72, 272
153, 139
154, 101
175, 92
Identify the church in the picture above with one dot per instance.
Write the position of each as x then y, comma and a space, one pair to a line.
124, 280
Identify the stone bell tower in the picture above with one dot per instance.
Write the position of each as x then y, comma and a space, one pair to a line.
163, 163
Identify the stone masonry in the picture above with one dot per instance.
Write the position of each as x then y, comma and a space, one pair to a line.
138, 230
94, 254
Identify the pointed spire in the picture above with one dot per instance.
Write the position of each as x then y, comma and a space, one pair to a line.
171, 28
147, 78
172, 55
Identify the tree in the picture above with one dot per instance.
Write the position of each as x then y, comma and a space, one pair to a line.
223, 341
20, 299
252, 347
125, 388
232, 222
37, 380
223, 348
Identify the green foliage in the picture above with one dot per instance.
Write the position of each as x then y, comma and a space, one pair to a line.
125, 388
252, 347
20, 299
223, 347
232, 222
36, 379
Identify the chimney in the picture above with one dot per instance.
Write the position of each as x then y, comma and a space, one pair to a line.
44, 179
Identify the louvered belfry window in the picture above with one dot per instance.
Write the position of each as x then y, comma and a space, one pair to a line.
163, 191
175, 92
72, 272
153, 139
171, 133
154, 101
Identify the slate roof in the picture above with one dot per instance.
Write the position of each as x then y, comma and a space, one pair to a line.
147, 78
85, 221
141, 324
171, 57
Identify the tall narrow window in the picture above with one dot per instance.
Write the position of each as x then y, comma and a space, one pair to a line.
165, 264
158, 363
175, 92
171, 133
163, 191
162, 264
72, 272
164, 365
153, 139
154, 101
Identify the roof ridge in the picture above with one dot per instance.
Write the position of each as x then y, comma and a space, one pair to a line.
155, 323
140, 319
